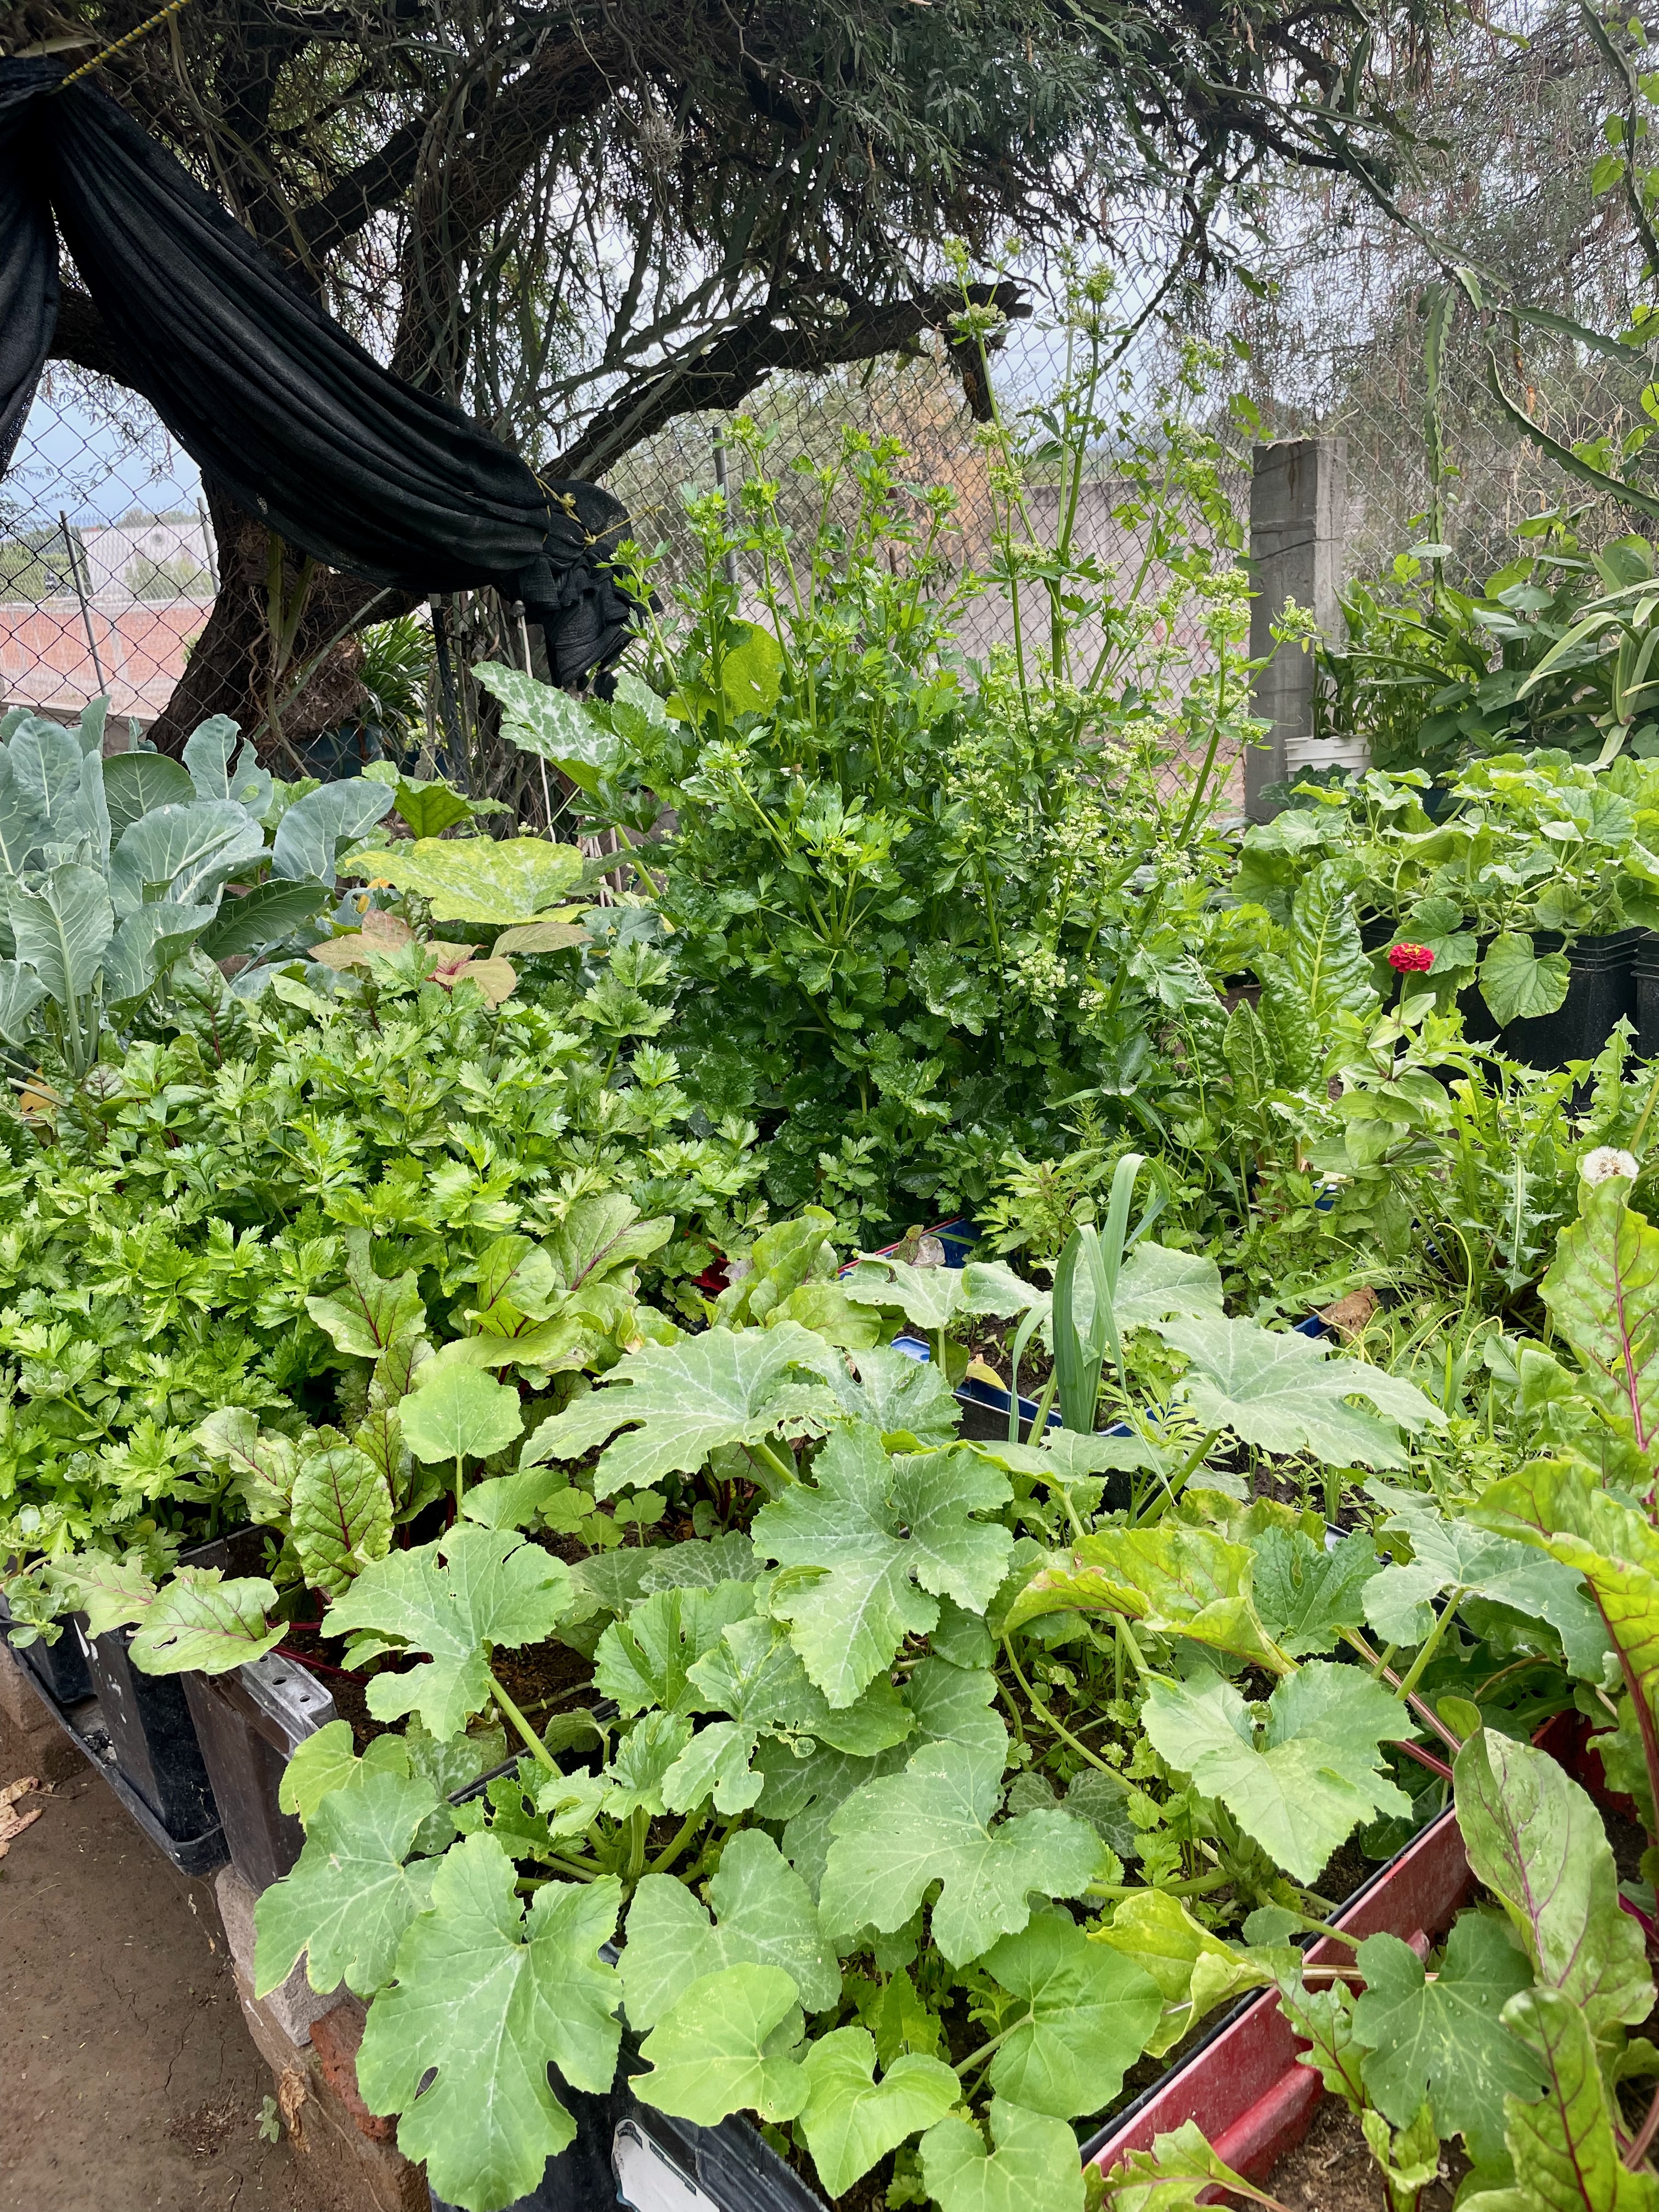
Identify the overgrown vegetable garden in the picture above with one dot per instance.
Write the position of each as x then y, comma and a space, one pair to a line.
901, 1689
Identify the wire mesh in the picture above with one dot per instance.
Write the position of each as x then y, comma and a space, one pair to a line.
107, 564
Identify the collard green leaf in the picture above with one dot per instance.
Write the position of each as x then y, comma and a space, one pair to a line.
486, 1997
137, 783
1519, 986
147, 944
1034, 2164
311, 832
895, 1838
342, 1516
1315, 1777
1602, 1291
729, 2043
21, 992
1089, 2014
1565, 2151
1442, 2038
262, 917
1537, 1842
350, 1900
201, 1622
23, 822
456, 1412
1180, 1580
1305, 1594
850, 2119
856, 1541
1279, 1391
182, 854
680, 1401
217, 771
506, 880
369, 1312
45, 761
765, 1916
455, 1599
62, 928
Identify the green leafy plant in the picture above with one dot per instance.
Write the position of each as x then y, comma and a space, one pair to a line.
113, 871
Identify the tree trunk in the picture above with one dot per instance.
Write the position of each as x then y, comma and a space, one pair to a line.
229, 669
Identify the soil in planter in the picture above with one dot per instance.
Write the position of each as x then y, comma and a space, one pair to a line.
1331, 2170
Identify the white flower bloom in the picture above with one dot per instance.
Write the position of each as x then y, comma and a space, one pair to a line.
1606, 1161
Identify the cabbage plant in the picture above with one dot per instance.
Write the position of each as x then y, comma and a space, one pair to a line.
112, 870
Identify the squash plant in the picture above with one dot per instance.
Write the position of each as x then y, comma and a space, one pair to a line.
833, 1907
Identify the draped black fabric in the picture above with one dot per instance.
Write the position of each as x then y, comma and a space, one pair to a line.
267, 393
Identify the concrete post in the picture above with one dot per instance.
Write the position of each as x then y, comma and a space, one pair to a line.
1298, 490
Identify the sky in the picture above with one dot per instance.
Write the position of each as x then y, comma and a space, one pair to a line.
74, 454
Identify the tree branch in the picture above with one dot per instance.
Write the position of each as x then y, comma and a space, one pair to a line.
719, 375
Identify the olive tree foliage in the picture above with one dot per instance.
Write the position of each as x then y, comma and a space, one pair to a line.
581, 218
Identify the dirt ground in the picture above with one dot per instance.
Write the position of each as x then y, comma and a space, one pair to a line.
1331, 2170
128, 2082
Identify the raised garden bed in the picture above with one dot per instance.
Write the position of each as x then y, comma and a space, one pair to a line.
1243, 2082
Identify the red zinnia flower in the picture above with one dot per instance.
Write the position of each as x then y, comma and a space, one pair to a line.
1410, 959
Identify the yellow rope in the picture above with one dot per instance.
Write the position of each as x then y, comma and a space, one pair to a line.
150, 23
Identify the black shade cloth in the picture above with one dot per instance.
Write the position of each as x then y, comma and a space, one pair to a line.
267, 393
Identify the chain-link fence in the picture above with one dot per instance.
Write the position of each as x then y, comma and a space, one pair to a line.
108, 563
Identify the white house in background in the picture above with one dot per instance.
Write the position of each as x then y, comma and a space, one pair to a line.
124, 556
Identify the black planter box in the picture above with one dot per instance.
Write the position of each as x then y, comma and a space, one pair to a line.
152, 1736
1601, 989
631, 2154
1646, 970
248, 1723
60, 1669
